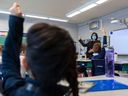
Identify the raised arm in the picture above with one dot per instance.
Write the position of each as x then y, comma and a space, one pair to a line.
11, 51
82, 43
104, 37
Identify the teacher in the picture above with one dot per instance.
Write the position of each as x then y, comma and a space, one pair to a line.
89, 45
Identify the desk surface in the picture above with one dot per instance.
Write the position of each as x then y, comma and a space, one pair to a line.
121, 62
83, 60
106, 93
89, 60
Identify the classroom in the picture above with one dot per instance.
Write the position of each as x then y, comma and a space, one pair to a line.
63, 47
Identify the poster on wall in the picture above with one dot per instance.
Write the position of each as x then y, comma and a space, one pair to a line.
3, 35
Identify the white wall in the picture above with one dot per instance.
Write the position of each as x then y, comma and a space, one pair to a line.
84, 31
72, 28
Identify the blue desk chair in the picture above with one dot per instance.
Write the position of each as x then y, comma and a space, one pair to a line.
98, 67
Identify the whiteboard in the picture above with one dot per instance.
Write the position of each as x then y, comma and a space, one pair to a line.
119, 40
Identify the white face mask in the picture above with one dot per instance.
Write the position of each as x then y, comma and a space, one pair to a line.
94, 37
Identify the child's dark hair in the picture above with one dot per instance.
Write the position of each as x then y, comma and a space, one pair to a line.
51, 55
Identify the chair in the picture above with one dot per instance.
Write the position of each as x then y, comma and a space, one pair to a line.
81, 68
98, 67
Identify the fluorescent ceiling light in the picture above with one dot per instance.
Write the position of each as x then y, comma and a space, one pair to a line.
4, 12
101, 1
56, 19
114, 21
81, 10
88, 7
85, 7
38, 17
73, 14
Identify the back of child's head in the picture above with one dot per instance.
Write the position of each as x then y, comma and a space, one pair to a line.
51, 55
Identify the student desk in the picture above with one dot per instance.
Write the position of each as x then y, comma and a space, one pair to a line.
122, 92
84, 66
91, 67
84, 62
121, 65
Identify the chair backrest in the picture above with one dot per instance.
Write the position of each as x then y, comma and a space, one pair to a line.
98, 67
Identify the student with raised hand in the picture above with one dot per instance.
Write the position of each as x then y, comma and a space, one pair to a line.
94, 39
50, 55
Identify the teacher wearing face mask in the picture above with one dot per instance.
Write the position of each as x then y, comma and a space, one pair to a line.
89, 45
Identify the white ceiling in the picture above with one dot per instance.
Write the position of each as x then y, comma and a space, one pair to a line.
58, 8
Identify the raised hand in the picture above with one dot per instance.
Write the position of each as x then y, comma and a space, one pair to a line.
104, 32
91, 51
16, 10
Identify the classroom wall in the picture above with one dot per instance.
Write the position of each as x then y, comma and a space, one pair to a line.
72, 28
85, 33
83, 28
